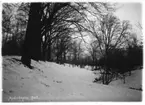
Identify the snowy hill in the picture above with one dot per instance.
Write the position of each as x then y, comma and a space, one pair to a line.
133, 82
53, 82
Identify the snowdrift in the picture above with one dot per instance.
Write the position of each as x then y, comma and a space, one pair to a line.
49, 81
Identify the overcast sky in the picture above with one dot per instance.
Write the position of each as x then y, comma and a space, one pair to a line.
131, 12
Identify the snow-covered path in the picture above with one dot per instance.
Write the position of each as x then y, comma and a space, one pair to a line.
52, 82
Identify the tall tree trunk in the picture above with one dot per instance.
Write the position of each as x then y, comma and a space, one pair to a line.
64, 56
106, 66
32, 43
49, 52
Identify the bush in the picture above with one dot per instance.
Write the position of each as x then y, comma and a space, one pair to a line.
135, 57
123, 60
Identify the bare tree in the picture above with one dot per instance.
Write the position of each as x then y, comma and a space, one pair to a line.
6, 21
61, 46
12, 26
93, 51
110, 34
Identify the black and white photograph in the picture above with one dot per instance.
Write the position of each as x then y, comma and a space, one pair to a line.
72, 51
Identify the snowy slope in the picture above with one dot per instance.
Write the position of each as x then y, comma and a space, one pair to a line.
52, 82
134, 81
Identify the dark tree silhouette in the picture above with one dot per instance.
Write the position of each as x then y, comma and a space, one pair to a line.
32, 43
48, 29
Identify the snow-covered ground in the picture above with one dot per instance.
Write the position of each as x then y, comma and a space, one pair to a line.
133, 82
53, 82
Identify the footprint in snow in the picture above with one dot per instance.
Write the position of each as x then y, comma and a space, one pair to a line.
45, 84
22, 85
57, 81
4, 78
81, 94
11, 91
22, 77
25, 77
5, 92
